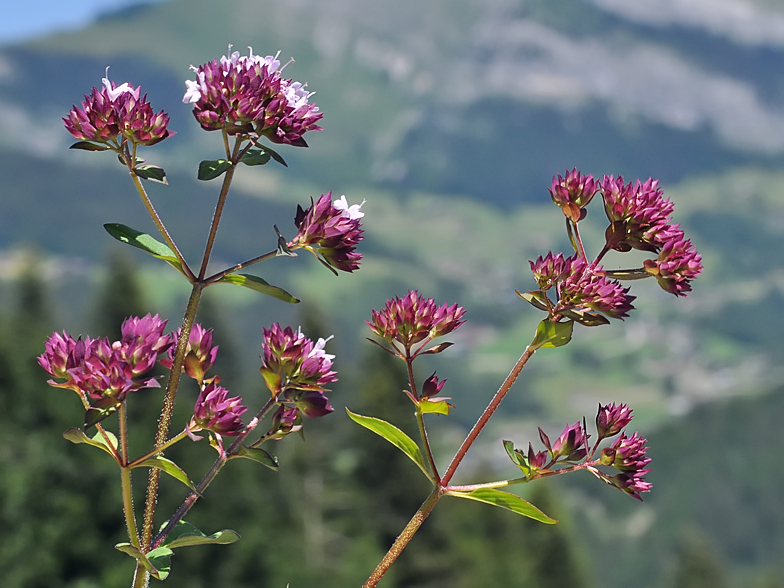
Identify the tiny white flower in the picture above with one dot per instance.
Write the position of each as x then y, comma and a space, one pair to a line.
318, 349
115, 92
352, 211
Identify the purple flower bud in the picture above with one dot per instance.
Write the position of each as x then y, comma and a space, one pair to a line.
571, 444
611, 419
62, 353
413, 318
216, 412
292, 361
678, 263
199, 354
548, 270
331, 231
287, 419
536, 461
573, 193
631, 459
312, 403
117, 111
432, 386
248, 94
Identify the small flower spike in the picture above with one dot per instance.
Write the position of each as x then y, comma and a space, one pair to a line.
573, 193
216, 412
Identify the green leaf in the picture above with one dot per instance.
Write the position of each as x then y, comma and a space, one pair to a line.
513, 455
157, 562
152, 173
169, 467
256, 157
78, 436
209, 170
535, 298
437, 348
99, 410
259, 285
550, 334
144, 242
435, 406
274, 154
394, 435
88, 146
260, 455
505, 500
184, 535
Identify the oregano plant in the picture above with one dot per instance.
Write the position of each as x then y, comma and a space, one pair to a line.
249, 104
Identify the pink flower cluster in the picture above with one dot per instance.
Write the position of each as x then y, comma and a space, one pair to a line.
117, 113
413, 318
200, 354
296, 370
582, 291
102, 372
573, 193
248, 94
216, 412
571, 451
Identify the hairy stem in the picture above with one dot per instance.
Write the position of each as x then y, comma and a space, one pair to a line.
403, 539
168, 408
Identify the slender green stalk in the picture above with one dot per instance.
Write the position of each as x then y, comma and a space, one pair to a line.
158, 450
215, 277
158, 222
420, 419
125, 477
408, 533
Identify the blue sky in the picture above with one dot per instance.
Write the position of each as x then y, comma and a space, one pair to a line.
26, 20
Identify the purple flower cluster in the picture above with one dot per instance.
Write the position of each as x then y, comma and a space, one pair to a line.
117, 112
582, 291
331, 230
414, 318
573, 193
296, 370
626, 454
678, 263
216, 412
103, 372
248, 94
629, 456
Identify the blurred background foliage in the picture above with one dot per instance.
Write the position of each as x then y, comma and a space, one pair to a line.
450, 118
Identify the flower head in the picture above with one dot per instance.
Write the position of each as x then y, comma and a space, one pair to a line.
573, 193
611, 419
116, 112
142, 341
216, 412
291, 361
247, 94
678, 263
583, 292
413, 318
638, 213
331, 231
